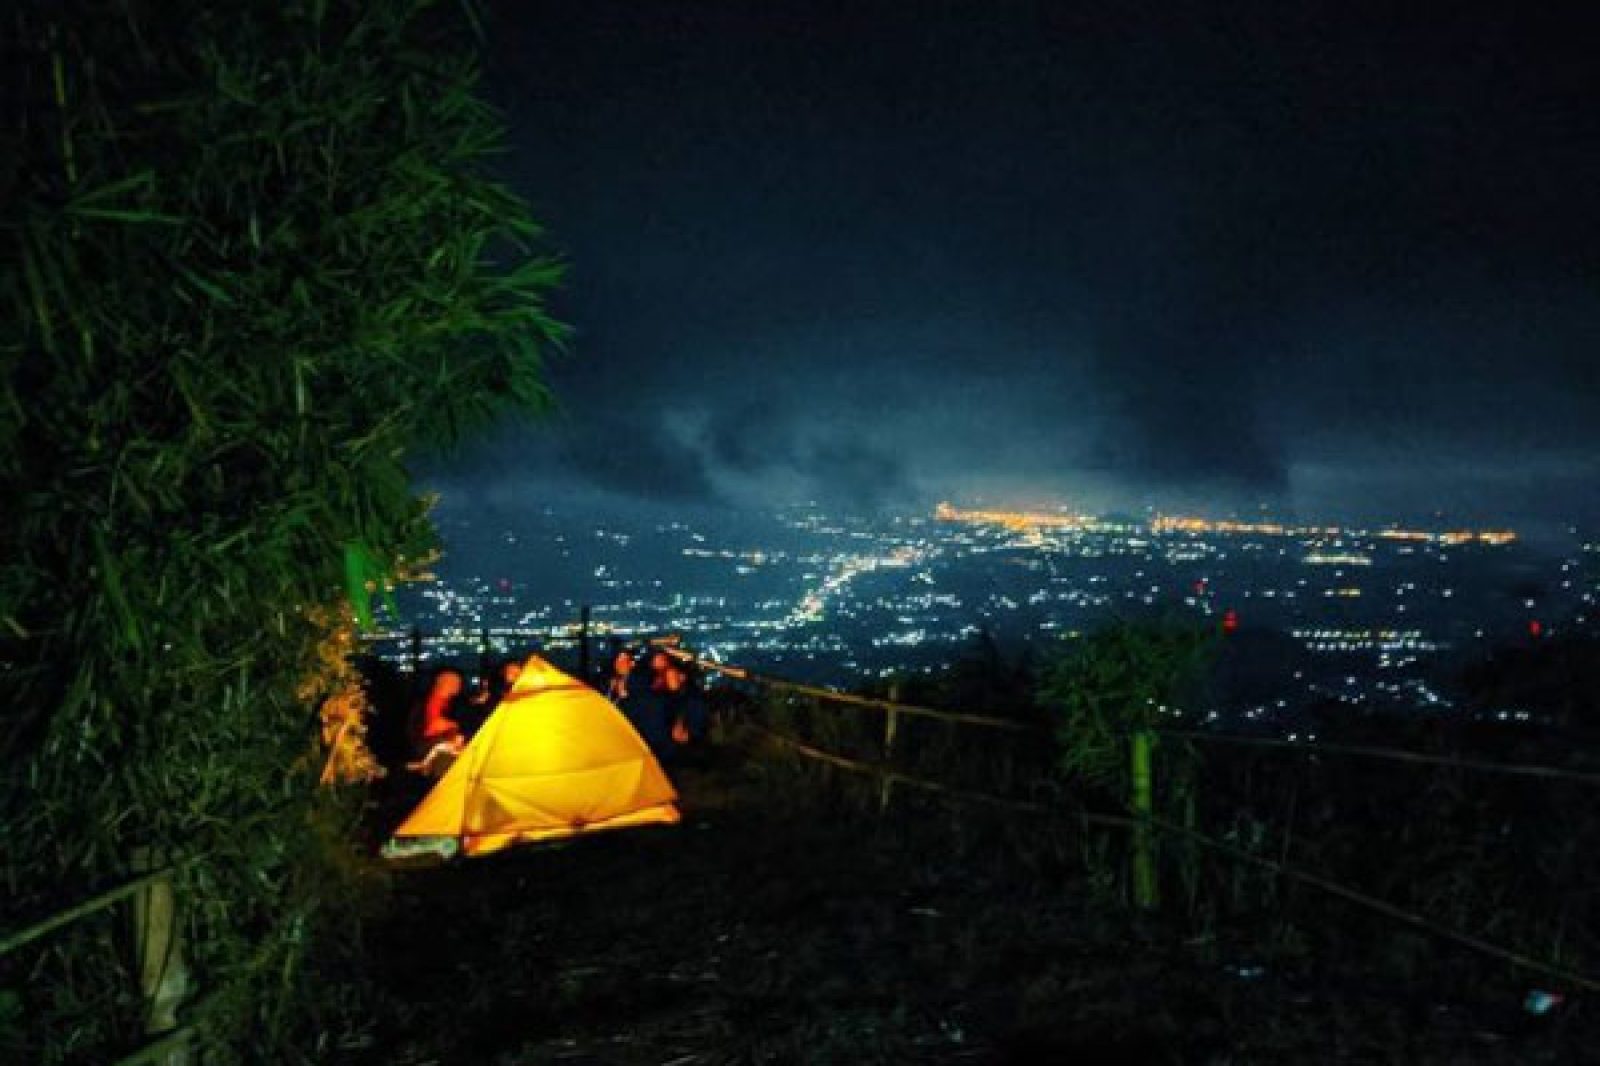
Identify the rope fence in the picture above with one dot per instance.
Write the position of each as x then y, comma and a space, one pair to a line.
1548, 773
1144, 821
1232, 851
739, 673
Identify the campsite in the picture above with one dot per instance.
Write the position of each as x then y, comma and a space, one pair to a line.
553, 758
792, 916
1096, 506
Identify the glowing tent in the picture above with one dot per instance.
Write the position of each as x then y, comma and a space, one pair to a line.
554, 759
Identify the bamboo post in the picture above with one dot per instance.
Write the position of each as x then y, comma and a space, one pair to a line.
1143, 807
891, 721
585, 674
416, 660
158, 940
891, 726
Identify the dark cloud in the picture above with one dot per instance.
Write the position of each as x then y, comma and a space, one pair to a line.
1225, 457
636, 455
778, 452
860, 476
748, 437
878, 252
689, 452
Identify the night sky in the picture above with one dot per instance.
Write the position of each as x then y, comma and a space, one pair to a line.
1340, 260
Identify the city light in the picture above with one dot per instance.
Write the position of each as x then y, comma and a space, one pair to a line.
834, 598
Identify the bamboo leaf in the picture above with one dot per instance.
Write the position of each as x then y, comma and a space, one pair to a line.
122, 214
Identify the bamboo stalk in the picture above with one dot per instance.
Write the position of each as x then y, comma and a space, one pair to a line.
1141, 802
58, 76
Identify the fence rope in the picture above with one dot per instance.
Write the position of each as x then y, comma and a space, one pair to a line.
1233, 851
898, 778
741, 674
1381, 906
1549, 773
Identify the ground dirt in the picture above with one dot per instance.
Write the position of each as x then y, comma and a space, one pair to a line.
788, 920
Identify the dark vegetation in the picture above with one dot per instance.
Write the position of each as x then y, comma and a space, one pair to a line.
252, 266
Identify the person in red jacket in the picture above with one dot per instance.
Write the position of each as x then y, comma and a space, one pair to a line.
436, 735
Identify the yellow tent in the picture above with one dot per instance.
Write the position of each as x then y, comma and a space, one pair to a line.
553, 760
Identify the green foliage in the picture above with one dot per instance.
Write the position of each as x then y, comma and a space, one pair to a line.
363, 576
982, 679
1109, 692
11, 1028
1119, 680
253, 262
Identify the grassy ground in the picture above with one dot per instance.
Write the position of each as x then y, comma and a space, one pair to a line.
786, 921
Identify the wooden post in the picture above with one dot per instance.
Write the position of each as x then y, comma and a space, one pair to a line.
1143, 807
891, 726
485, 657
584, 673
891, 722
158, 940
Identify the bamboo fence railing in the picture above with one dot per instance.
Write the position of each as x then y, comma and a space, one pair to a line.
1142, 822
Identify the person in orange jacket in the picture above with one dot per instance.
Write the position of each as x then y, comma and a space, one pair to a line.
622, 665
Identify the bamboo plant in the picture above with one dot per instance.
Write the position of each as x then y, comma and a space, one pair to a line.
256, 262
